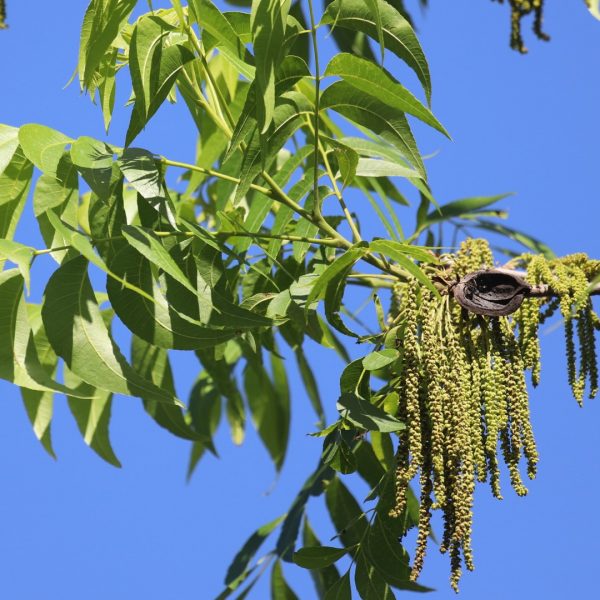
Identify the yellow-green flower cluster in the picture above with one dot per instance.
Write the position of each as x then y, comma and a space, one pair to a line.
462, 389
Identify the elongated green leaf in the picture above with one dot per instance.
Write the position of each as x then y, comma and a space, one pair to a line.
150, 246
323, 578
15, 179
205, 411
348, 258
369, 583
398, 252
310, 384
9, 142
107, 72
101, 24
340, 590
518, 236
460, 208
268, 22
55, 200
380, 118
213, 21
18, 254
318, 557
39, 404
154, 67
379, 359
347, 159
280, 590
95, 161
374, 80
369, 167
389, 558
287, 118
270, 410
152, 318
152, 363
313, 486
93, 418
242, 559
43, 146
291, 70
140, 168
365, 415
19, 360
398, 35
348, 519
79, 336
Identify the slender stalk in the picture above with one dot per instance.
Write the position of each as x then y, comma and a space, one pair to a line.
288, 238
313, 35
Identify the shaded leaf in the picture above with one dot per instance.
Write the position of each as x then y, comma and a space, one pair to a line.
365, 415
242, 559
340, 590
77, 333
19, 359
93, 417
280, 590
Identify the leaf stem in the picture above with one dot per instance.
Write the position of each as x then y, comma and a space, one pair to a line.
313, 34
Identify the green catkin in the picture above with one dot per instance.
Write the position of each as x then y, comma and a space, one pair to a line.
424, 523
462, 389
409, 457
432, 350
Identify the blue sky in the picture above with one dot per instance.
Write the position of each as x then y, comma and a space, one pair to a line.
78, 527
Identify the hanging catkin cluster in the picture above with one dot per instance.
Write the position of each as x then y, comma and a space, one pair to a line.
519, 9
463, 394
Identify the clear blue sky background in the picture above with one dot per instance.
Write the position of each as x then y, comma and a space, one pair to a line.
78, 528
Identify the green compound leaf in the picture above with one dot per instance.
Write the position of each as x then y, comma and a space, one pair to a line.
380, 118
398, 35
77, 333
373, 79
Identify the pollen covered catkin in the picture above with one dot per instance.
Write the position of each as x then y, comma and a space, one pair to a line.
462, 387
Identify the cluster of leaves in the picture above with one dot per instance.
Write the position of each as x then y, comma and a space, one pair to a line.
232, 261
